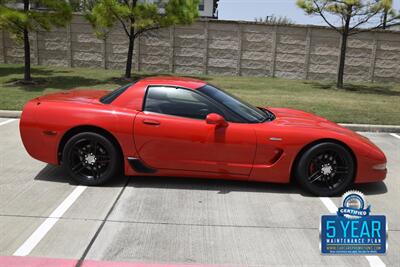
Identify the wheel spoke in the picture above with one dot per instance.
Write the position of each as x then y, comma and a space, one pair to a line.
76, 152
318, 161
328, 183
315, 176
78, 167
342, 170
98, 173
93, 146
93, 173
103, 157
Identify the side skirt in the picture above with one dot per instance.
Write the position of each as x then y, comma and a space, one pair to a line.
139, 166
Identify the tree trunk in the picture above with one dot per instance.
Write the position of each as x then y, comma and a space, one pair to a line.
128, 68
339, 83
384, 20
27, 57
27, 49
343, 48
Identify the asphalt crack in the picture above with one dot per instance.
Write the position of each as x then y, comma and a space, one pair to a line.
175, 224
89, 246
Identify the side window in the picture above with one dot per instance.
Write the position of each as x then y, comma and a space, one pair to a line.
178, 102
201, 5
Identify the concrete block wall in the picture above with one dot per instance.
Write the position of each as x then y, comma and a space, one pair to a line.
219, 48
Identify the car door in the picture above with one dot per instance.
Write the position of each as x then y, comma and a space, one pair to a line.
171, 133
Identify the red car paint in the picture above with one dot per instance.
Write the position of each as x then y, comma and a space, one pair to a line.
177, 146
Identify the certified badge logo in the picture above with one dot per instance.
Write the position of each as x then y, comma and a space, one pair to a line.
353, 205
353, 230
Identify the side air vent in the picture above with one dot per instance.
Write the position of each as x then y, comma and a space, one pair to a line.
139, 166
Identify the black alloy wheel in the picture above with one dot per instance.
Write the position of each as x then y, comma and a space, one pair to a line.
91, 159
325, 169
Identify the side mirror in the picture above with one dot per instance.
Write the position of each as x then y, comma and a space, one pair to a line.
216, 119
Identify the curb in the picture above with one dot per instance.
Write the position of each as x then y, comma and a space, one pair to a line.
13, 114
372, 128
355, 127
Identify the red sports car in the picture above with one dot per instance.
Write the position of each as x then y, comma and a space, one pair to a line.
171, 126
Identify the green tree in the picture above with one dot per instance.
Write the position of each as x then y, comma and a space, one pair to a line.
355, 16
137, 17
19, 19
386, 12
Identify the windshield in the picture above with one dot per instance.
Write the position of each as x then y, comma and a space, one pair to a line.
239, 107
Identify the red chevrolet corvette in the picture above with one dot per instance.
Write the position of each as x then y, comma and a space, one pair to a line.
171, 126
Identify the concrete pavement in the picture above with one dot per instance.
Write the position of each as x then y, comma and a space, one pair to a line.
177, 221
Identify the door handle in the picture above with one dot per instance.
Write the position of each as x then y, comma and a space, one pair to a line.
151, 122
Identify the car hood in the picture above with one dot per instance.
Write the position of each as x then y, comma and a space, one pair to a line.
302, 119
86, 96
296, 117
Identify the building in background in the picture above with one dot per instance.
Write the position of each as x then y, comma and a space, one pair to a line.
207, 8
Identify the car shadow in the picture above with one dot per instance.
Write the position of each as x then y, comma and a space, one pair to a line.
53, 173
58, 174
376, 188
218, 185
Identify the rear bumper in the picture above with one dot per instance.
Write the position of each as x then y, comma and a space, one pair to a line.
38, 145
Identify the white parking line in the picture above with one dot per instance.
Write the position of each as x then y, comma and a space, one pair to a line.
395, 135
329, 204
7, 121
45, 227
374, 261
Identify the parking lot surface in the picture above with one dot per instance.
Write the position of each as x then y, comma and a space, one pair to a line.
173, 220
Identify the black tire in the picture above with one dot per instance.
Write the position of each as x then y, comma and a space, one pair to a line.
91, 158
325, 169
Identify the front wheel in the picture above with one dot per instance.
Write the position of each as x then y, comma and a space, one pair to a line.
91, 159
325, 169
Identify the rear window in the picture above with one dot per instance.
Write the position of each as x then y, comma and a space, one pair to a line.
110, 97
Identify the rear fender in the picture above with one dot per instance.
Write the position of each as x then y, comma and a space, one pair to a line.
44, 125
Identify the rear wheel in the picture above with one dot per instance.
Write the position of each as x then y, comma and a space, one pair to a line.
325, 169
91, 159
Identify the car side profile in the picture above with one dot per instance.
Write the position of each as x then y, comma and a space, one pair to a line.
183, 127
